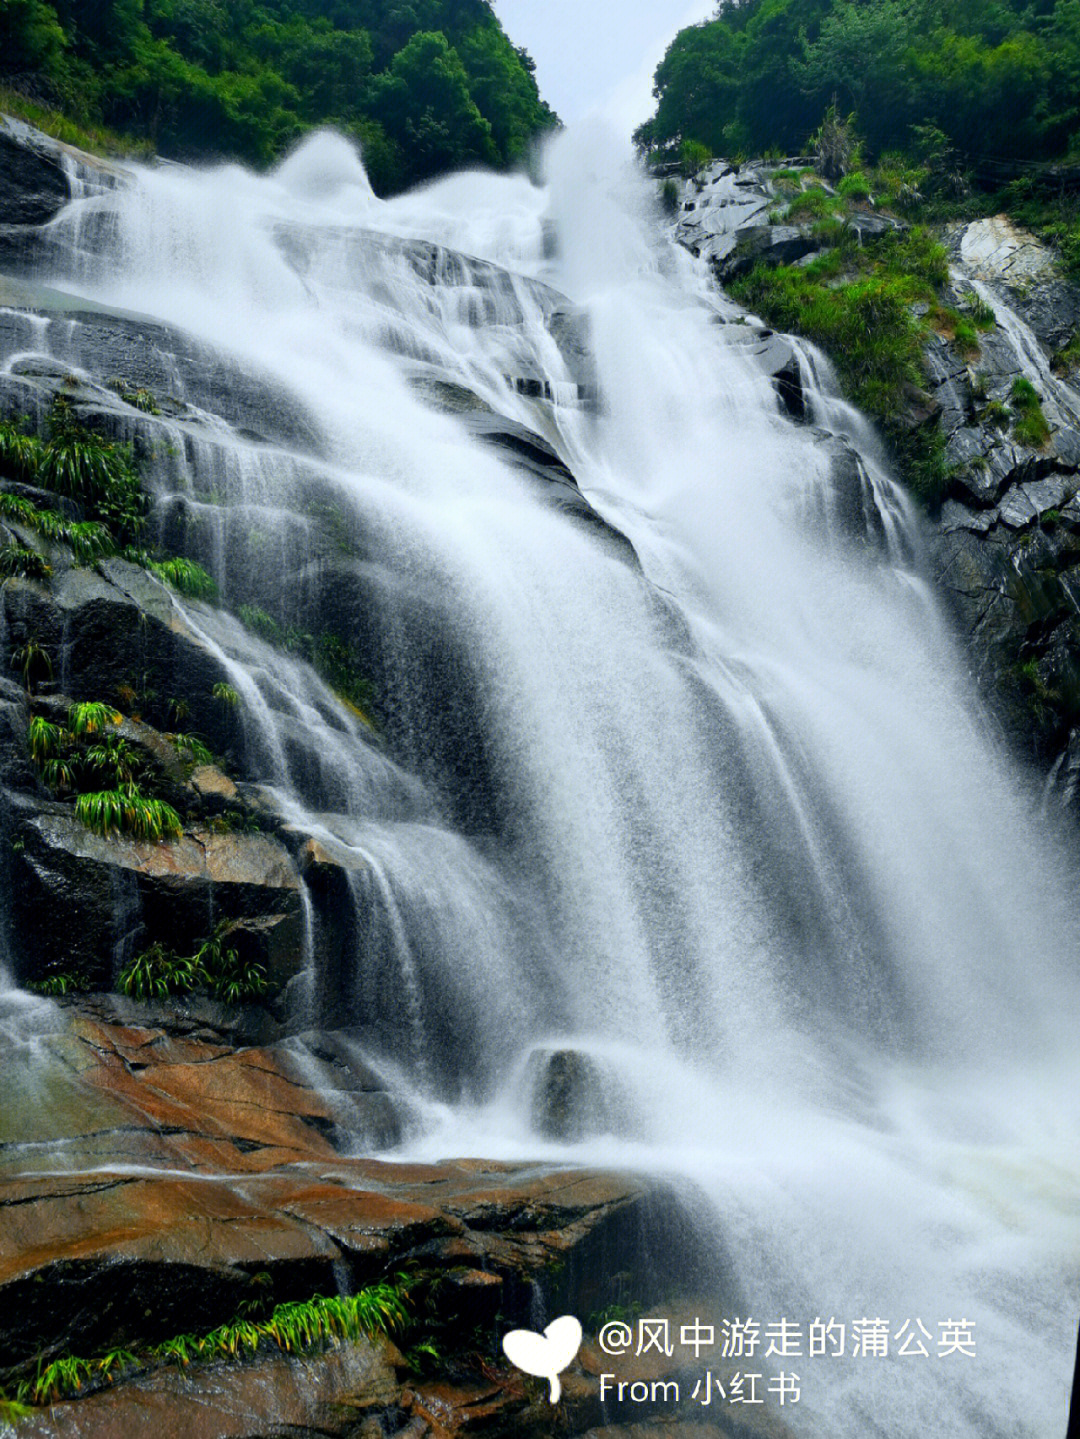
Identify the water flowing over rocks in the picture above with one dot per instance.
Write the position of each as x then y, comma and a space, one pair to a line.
572, 816
1003, 548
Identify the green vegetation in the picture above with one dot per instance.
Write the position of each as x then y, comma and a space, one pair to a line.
423, 87
88, 540
1029, 422
295, 1327
328, 654
55, 985
21, 562
992, 78
77, 758
872, 308
185, 576
1068, 357
81, 466
214, 967
128, 811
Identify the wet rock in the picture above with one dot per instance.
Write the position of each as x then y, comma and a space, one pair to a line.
773, 244
568, 1098
86, 903
34, 185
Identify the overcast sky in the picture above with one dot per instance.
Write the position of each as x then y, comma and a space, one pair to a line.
598, 55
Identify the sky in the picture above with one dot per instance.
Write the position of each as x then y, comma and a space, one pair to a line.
598, 55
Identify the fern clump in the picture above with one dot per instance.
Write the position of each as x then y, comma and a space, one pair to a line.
214, 967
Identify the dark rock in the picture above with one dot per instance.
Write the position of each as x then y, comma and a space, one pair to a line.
85, 903
773, 244
34, 185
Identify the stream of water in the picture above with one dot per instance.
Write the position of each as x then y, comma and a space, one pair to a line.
745, 842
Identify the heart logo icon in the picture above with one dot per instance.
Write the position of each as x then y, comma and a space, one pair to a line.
545, 1355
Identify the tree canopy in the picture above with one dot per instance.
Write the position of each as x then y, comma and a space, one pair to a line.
997, 77
424, 85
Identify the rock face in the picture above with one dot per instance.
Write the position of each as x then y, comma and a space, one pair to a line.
192, 1170
1004, 550
168, 1165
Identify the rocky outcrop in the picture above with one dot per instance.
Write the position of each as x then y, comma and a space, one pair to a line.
192, 1170
1004, 547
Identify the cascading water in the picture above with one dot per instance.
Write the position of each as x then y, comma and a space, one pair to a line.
727, 825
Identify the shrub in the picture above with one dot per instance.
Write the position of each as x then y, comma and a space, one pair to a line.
1030, 426
854, 186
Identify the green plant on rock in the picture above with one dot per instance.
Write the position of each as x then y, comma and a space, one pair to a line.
18, 561
295, 1327
56, 985
812, 204
157, 973
87, 539
982, 314
185, 576
1030, 425
191, 747
225, 695
214, 967
128, 811
30, 658
855, 186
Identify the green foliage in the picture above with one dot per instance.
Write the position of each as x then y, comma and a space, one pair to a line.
185, 576
214, 967
421, 86
859, 304
982, 314
55, 985
30, 658
835, 143
157, 973
19, 561
1029, 423
81, 466
812, 204
91, 717
1068, 357
135, 395
296, 1327
79, 757
328, 654
225, 694
854, 186
693, 156
989, 79
191, 747
128, 811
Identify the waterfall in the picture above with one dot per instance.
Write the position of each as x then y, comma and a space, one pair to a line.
722, 820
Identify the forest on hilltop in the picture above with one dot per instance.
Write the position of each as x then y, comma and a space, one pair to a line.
997, 79
424, 85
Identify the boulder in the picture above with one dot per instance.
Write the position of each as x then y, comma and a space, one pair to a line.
83, 903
